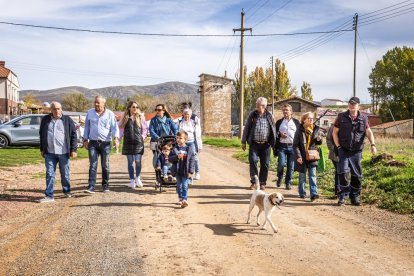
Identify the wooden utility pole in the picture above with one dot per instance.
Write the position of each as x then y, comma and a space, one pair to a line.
355, 48
241, 78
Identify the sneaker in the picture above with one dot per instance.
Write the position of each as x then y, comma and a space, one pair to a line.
179, 202
105, 190
288, 187
301, 196
68, 195
253, 187
355, 201
46, 199
132, 183
184, 204
165, 178
278, 184
197, 176
90, 190
262, 187
174, 179
138, 182
341, 201
314, 197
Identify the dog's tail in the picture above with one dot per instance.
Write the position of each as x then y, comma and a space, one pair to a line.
256, 182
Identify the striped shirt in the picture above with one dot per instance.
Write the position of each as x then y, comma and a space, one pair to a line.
56, 137
262, 130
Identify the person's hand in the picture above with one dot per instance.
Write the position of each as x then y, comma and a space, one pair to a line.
373, 149
243, 146
73, 154
86, 144
336, 150
318, 138
283, 135
299, 160
158, 169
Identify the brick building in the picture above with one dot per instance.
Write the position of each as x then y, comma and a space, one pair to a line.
403, 128
9, 92
299, 107
215, 104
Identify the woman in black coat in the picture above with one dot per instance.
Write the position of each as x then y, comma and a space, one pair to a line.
307, 136
135, 130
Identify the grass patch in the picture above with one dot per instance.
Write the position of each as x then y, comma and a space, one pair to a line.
222, 142
19, 156
390, 188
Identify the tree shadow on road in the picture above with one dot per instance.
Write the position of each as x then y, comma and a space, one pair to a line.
126, 204
217, 186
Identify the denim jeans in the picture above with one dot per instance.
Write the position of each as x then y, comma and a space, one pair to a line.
335, 164
166, 168
312, 182
131, 159
285, 155
197, 161
95, 149
182, 187
51, 161
259, 152
350, 173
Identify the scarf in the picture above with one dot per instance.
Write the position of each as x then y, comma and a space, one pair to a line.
309, 131
165, 130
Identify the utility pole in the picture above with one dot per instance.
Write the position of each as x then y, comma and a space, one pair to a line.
355, 46
273, 88
241, 78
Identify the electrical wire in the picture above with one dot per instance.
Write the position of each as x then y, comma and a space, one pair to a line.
363, 18
276, 10
383, 18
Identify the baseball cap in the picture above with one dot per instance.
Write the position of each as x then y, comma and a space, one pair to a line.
354, 100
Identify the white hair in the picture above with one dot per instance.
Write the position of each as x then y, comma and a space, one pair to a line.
187, 111
53, 104
101, 97
262, 101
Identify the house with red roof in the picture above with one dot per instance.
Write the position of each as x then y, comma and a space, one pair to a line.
9, 92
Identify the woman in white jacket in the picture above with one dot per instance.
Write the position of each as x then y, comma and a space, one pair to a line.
194, 137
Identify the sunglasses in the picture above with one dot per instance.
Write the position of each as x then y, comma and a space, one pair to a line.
157, 109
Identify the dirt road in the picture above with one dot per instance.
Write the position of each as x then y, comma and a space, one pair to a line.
143, 232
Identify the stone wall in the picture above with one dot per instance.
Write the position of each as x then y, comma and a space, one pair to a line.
215, 104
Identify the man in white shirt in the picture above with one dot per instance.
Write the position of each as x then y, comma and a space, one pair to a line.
285, 132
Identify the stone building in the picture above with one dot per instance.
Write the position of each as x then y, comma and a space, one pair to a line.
215, 105
9, 92
299, 106
394, 129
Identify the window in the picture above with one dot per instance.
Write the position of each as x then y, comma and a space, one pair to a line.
325, 122
296, 107
24, 121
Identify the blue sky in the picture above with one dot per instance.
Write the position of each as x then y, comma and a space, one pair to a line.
46, 59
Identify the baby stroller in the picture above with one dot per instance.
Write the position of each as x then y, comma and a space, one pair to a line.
160, 182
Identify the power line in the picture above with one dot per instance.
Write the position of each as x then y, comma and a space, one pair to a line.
164, 34
261, 6
254, 5
374, 15
383, 18
365, 50
373, 12
224, 56
278, 9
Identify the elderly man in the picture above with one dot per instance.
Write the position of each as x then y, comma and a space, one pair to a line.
58, 142
349, 132
285, 131
100, 127
260, 133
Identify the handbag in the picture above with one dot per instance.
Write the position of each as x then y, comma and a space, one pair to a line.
312, 155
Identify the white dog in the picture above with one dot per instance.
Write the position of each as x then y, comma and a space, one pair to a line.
266, 203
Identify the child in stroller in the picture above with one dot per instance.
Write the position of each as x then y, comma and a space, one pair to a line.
163, 163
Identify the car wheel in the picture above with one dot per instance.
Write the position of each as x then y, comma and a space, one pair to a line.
4, 142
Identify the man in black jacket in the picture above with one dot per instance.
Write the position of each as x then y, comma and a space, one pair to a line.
285, 133
58, 142
260, 133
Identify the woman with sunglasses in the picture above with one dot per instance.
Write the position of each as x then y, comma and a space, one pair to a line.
307, 137
161, 125
135, 130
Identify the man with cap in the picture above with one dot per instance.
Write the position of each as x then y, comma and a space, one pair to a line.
350, 129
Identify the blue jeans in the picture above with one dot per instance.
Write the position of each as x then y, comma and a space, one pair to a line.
312, 182
131, 159
350, 173
182, 187
95, 149
259, 152
51, 161
285, 155
197, 161
335, 164
166, 168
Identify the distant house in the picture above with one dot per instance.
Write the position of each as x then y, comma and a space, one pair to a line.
394, 129
332, 102
299, 106
329, 118
9, 92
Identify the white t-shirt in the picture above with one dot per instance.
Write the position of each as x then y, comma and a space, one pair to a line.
288, 127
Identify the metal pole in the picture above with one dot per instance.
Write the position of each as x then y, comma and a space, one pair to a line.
273, 88
355, 48
241, 98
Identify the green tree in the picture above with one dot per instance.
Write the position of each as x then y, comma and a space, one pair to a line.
306, 91
30, 100
115, 104
75, 102
283, 88
392, 83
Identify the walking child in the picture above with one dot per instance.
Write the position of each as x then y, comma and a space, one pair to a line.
183, 158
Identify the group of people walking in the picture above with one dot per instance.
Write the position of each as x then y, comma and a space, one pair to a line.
58, 142
296, 145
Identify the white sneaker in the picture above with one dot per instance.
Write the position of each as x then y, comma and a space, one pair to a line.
197, 176
132, 184
139, 182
